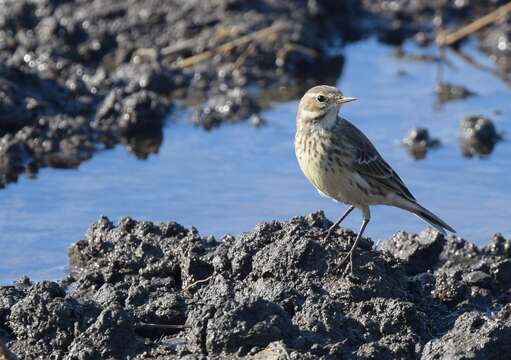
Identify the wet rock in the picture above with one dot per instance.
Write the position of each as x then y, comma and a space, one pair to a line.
419, 253
499, 246
502, 273
150, 291
478, 278
446, 92
451, 270
59, 141
458, 252
43, 311
149, 76
243, 326
24, 97
474, 336
42, 125
130, 113
111, 336
234, 105
274, 351
418, 141
449, 289
478, 136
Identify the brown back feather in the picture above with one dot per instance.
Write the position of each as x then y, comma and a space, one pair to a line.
368, 161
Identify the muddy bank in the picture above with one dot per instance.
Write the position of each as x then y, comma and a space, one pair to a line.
80, 76
155, 291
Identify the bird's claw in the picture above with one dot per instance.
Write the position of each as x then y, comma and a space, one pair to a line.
324, 235
349, 265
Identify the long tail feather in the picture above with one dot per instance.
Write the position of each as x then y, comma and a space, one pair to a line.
427, 216
433, 220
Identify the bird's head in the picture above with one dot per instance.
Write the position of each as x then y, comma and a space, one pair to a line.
320, 105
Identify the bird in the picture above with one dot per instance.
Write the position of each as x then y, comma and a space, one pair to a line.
343, 164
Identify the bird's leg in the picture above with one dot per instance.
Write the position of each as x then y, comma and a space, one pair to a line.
352, 250
328, 233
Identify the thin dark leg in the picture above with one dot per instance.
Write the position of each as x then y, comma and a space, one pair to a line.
334, 226
352, 250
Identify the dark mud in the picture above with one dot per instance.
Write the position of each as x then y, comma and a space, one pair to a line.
79, 76
6, 354
151, 291
478, 136
84, 75
417, 142
496, 41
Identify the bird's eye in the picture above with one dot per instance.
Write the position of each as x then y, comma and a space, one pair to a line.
321, 98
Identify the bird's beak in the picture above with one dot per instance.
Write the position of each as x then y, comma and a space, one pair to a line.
344, 99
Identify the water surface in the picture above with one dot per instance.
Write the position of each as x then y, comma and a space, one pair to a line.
227, 180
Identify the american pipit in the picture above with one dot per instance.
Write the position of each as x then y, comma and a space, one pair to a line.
342, 164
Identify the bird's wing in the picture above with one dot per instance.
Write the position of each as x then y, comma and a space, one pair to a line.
370, 164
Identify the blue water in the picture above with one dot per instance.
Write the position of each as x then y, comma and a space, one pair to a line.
227, 180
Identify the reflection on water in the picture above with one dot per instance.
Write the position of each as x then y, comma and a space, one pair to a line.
145, 143
226, 180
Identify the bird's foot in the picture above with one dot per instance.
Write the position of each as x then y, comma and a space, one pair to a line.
349, 265
325, 235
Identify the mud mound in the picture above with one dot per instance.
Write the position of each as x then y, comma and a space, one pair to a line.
162, 291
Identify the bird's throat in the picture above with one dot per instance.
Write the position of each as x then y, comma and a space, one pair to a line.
323, 119
329, 120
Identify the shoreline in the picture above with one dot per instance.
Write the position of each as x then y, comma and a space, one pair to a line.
148, 290
77, 78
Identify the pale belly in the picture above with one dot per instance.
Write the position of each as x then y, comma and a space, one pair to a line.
335, 182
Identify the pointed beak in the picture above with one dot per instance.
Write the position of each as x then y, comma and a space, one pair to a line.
344, 99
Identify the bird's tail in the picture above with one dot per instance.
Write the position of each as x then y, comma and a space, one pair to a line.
427, 216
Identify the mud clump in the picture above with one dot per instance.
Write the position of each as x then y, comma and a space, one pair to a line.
148, 291
228, 106
129, 113
478, 136
418, 141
